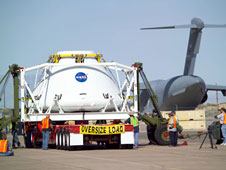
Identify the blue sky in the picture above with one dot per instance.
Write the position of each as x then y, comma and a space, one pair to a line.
32, 30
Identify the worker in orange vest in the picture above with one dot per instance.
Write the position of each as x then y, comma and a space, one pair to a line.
46, 130
222, 118
5, 147
172, 129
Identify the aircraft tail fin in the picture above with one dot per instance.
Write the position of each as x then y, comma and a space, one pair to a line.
196, 27
193, 46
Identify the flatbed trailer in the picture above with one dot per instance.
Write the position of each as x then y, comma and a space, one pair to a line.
67, 137
85, 129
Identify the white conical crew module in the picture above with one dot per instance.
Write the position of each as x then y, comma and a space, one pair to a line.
79, 88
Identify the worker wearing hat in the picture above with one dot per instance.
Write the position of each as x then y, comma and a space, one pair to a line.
5, 147
172, 128
133, 120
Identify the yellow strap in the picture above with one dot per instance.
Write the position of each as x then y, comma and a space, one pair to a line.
56, 57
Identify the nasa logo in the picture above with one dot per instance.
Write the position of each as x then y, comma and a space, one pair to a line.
81, 77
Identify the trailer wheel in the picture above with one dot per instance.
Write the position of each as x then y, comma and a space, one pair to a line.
28, 139
113, 146
61, 139
64, 144
65, 140
129, 146
34, 143
162, 135
57, 139
69, 148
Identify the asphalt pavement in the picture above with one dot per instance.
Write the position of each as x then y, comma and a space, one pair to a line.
150, 157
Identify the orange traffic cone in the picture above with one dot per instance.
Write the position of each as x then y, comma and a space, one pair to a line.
185, 143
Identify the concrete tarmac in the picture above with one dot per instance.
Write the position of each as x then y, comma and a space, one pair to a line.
146, 157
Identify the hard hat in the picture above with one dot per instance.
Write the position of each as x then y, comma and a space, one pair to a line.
173, 112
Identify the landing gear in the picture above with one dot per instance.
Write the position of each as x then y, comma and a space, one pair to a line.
151, 134
162, 135
158, 135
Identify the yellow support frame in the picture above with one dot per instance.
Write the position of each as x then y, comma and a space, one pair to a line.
54, 58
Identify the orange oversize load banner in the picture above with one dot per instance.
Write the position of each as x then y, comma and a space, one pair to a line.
102, 129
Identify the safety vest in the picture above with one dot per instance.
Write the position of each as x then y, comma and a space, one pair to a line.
174, 122
45, 123
224, 122
134, 121
3, 146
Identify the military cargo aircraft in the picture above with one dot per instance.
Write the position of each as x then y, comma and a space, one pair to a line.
187, 91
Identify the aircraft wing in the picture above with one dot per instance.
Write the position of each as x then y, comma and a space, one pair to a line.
217, 88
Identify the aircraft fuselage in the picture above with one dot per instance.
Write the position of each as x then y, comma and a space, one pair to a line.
178, 93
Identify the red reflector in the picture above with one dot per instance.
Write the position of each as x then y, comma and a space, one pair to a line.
39, 127
74, 129
166, 134
128, 127
33, 138
77, 129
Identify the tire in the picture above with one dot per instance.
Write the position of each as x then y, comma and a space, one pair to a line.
125, 146
129, 146
151, 134
113, 146
57, 139
61, 139
69, 148
67, 140
162, 135
64, 144
34, 143
28, 140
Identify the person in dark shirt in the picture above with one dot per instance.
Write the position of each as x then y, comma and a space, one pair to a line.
15, 135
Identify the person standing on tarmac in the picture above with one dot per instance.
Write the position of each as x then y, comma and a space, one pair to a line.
46, 130
222, 118
15, 135
5, 147
172, 129
133, 120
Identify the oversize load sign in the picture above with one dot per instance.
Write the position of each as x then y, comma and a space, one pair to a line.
102, 130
